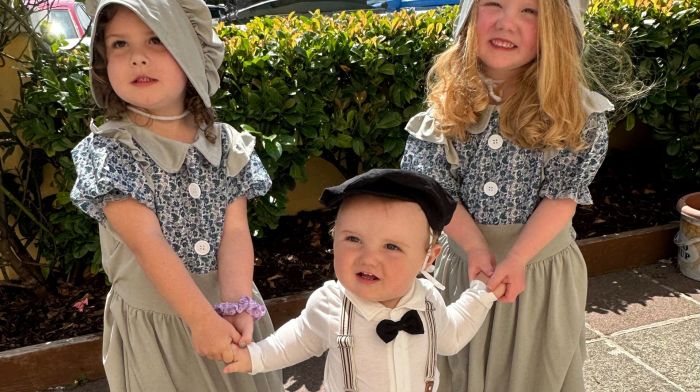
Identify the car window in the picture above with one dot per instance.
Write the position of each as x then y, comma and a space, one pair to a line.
82, 15
59, 22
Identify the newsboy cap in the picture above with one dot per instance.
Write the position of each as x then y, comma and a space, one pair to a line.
435, 202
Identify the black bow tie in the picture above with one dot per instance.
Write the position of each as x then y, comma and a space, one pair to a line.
410, 322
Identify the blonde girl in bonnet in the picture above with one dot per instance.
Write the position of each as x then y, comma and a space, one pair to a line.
515, 135
169, 188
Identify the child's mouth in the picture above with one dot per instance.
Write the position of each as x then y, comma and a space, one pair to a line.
143, 80
366, 276
499, 43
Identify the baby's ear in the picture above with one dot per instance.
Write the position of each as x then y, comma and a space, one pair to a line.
435, 252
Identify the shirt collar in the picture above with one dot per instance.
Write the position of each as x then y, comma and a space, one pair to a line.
371, 310
167, 153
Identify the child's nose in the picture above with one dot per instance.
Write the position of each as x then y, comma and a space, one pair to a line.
506, 21
368, 257
138, 58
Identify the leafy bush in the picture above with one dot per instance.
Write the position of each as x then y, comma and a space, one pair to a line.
53, 116
340, 88
664, 39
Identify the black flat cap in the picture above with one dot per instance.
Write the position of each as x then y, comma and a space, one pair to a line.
436, 203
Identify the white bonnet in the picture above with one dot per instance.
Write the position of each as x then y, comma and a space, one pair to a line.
184, 27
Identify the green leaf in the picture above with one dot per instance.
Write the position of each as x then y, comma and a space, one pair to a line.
358, 147
387, 69
273, 149
673, 147
389, 120
694, 51
629, 123
343, 141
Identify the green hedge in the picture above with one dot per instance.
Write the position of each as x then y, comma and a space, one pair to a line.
340, 88
664, 40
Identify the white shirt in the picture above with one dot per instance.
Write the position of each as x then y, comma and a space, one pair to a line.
397, 366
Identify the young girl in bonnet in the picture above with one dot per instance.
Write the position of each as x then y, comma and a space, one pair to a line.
514, 134
169, 188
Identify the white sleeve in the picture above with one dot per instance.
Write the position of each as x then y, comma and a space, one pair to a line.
458, 323
295, 341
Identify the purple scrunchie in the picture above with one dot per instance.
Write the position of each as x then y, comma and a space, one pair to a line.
245, 304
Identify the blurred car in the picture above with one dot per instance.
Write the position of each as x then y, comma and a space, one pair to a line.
241, 11
217, 11
393, 5
62, 18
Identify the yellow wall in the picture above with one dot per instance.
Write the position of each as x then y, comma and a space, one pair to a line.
9, 81
305, 195
9, 87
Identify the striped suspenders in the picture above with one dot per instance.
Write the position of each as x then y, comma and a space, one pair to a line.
345, 344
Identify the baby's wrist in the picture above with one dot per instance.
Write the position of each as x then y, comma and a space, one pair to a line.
245, 304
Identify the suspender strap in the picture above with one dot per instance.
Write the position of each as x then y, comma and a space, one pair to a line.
345, 346
431, 361
345, 343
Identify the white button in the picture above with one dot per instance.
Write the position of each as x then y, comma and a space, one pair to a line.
201, 247
495, 142
490, 188
195, 190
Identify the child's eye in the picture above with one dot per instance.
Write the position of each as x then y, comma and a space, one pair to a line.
156, 41
118, 44
352, 238
530, 11
391, 246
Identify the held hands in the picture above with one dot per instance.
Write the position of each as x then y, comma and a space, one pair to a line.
480, 261
241, 361
244, 323
510, 274
498, 291
212, 337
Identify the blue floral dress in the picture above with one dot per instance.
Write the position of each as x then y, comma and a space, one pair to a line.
537, 343
146, 346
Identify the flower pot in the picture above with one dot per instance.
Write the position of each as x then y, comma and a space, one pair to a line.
688, 237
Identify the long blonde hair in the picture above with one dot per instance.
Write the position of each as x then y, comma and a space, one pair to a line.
544, 110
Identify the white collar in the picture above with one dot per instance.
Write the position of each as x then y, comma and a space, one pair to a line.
371, 310
167, 153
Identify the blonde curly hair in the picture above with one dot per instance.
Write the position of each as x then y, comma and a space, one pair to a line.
543, 112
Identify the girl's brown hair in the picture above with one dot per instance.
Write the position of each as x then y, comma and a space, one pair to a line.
115, 107
544, 110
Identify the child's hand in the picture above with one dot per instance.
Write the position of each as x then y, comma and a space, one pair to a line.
212, 337
510, 274
244, 323
498, 291
241, 361
480, 261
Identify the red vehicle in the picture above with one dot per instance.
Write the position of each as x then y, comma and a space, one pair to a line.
65, 18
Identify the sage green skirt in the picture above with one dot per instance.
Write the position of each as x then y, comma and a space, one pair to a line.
148, 348
536, 344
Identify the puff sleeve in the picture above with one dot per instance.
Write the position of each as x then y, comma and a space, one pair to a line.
106, 171
430, 159
249, 179
568, 174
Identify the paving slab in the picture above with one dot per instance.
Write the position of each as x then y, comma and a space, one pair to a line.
672, 349
667, 273
624, 300
590, 335
608, 368
305, 376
